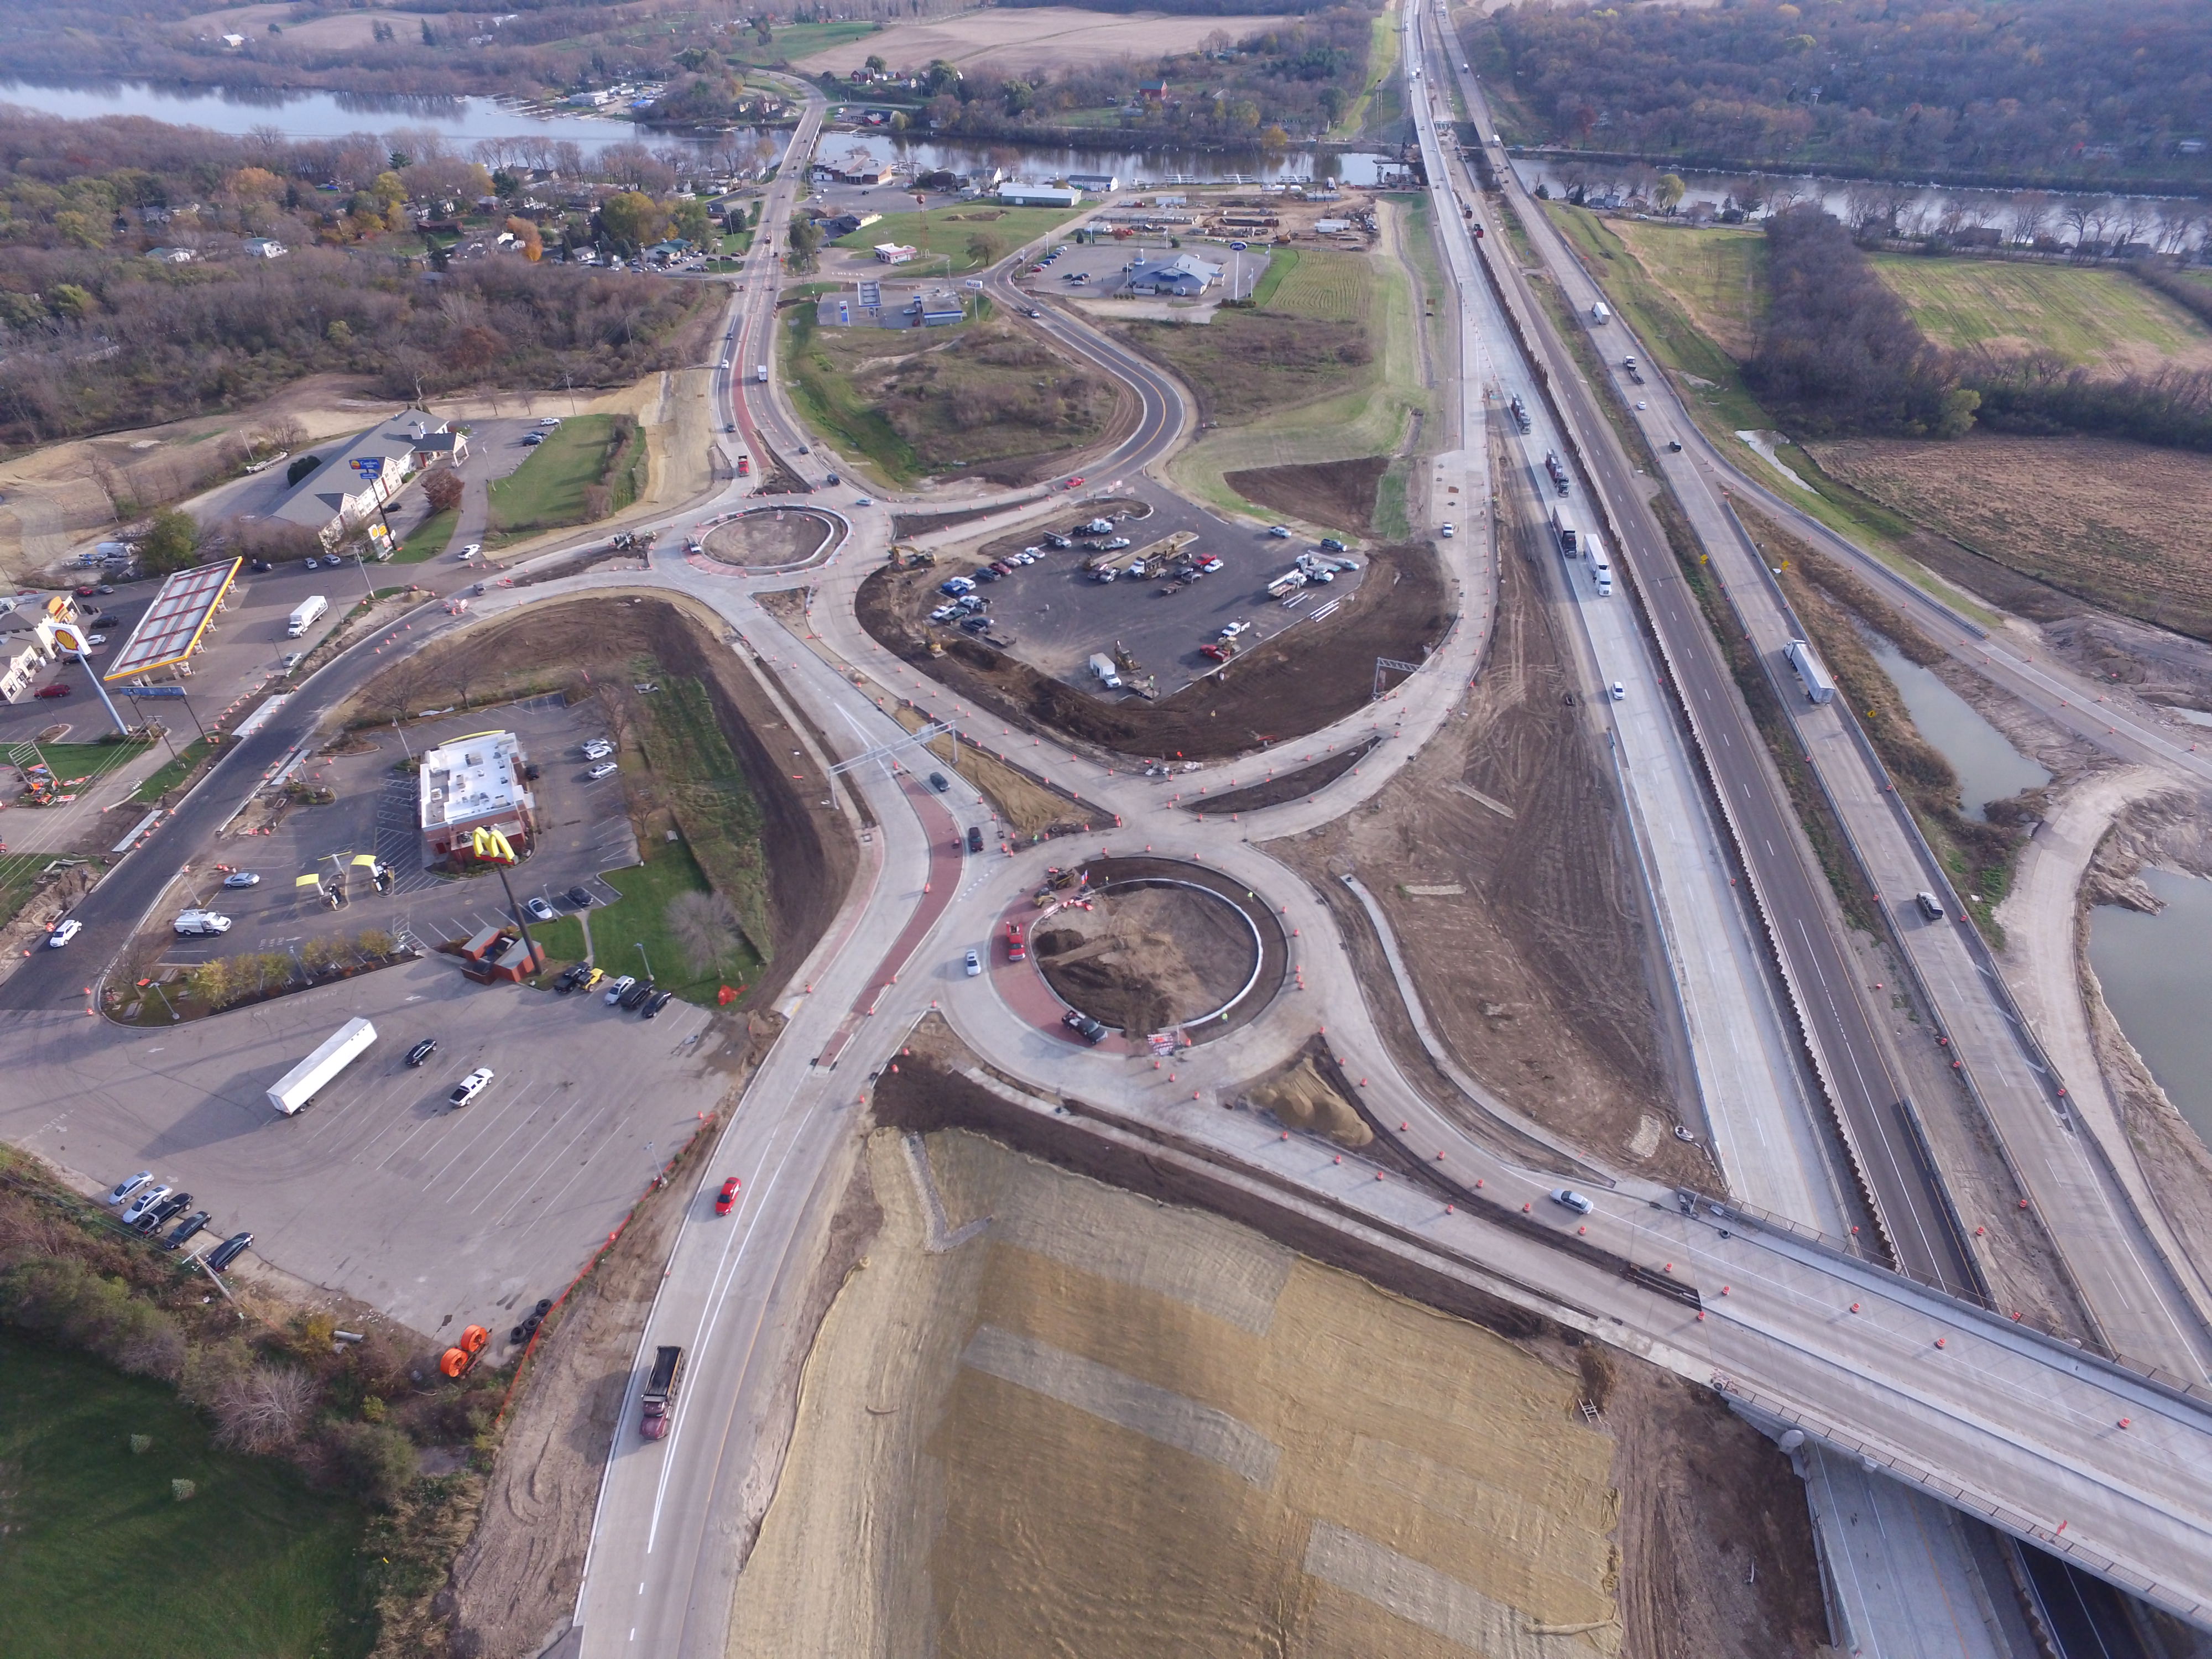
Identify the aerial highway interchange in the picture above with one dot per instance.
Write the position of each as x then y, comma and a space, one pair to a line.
1770, 1291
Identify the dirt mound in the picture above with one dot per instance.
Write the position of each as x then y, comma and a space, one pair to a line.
1302, 1098
1149, 958
1340, 495
573, 645
774, 536
1308, 677
1116, 1426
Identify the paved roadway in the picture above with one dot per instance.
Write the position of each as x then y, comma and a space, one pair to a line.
1851, 1051
2131, 1275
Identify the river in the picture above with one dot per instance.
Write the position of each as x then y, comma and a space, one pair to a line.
1988, 766
466, 121
2157, 975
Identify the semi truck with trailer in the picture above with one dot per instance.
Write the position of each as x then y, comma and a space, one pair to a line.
1562, 526
296, 1089
1600, 566
660, 1391
304, 614
1819, 688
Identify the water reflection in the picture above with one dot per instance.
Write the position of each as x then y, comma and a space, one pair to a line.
2157, 975
1989, 768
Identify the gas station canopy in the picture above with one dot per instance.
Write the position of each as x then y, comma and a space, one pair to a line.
173, 624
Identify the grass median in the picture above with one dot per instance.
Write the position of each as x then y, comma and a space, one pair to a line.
428, 538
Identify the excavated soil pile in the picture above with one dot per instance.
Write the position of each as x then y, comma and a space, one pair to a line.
577, 644
1298, 682
775, 536
1339, 494
1302, 1098
1502, 860
1144, 958
1108, 1427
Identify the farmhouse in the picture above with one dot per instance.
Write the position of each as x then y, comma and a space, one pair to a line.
353, 482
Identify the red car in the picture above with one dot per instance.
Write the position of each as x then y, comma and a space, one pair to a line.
1016, 950
53, 691
727, 1197
1075, 484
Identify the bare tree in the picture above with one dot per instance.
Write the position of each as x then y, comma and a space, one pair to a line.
2027, 216
1863, 205
706, 926
264, 1410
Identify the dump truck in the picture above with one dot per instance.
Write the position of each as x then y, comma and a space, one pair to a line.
660, 1392
1819, 688
304, 614
1519, 414
1557, 469
297, 1088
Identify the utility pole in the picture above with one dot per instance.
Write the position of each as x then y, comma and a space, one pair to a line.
648, 960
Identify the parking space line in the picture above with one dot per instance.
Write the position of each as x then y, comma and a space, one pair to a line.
496, 1118
522, 1159
590, 1121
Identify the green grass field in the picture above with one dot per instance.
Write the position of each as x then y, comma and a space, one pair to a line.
792, 42
427, 540
641, 916
2084, 314
1328, 287
172, 772
1381, 63
1280, 264
815, 371
548, 490
101, 1558
1716, 277
943, 234
88, 760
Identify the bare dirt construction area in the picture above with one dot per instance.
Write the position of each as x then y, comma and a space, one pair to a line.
1027, 41
1501, 859
777, 537
1144, 958
1104, 1424
2124, 525
1028, 807
569, 647
1329, 493
1298, 681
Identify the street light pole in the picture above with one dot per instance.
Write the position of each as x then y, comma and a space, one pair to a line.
648, 960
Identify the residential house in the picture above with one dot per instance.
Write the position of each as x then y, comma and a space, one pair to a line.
1153, 92
1097, 184
263, 248
171, 256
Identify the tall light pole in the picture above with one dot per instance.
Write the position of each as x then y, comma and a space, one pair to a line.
648, 960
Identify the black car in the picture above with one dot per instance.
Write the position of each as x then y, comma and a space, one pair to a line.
580, 897
107, 619
229, 1250
937, 781
974, 839
571, 978
1083, 1025
530, 774
174, 1205
832, 480
634, 998
660, 999
258, 566
190, 1226
422, 1051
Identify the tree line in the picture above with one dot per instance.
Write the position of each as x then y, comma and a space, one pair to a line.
1839, 353
93, 336
2023, 90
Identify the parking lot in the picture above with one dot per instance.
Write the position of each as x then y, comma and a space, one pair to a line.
583, 828
1057, 616
1101, 267
379, 1189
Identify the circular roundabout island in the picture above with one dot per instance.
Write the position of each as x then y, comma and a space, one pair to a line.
772, 538
1152, 944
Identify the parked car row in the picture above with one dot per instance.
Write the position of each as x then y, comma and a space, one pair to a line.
639, 996
147, 1205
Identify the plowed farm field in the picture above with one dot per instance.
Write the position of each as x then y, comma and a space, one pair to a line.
2123, 525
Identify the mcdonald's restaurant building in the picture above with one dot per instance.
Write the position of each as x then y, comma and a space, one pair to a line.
472, 783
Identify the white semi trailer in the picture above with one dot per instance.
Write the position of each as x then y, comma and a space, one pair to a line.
1819, 688
300, 1086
